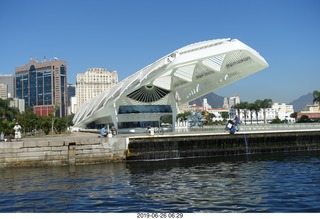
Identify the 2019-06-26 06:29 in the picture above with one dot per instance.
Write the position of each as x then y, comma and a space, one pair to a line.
159, 215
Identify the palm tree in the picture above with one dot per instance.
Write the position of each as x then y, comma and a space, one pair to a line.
237, 107
245, 107
265, 104
316, 97
252, 107
225, 115
241, 106
257, 109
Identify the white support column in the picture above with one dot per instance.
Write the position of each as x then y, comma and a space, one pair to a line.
114, 114
174, 106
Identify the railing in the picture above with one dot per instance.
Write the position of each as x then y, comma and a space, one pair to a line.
249, 127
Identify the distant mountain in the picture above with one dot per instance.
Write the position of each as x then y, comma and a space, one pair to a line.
213, 99
300, 103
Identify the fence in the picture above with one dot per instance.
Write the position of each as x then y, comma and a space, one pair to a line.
252, 127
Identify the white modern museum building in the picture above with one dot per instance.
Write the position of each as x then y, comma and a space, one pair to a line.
184, 75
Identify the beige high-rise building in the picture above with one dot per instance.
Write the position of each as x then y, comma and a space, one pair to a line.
93, 82
234, 100
3, 91
8, 81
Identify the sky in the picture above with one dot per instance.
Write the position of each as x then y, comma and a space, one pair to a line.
127, 35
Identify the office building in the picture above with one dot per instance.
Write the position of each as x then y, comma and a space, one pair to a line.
43, 85
71, 92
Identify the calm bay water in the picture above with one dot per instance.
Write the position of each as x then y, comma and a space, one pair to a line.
257, 183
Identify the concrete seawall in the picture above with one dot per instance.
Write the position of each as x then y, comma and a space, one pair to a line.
210, 145
57, 152
82, 150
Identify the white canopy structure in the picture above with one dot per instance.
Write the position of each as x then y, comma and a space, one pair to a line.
182, 76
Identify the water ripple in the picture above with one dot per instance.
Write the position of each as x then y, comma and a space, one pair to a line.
264, 183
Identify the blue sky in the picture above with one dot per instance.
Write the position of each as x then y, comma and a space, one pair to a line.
127, 35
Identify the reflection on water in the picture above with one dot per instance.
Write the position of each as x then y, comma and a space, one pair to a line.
265, 183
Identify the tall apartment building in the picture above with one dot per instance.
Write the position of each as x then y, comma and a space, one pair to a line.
225, 103
71, 98
205, 104
3, 91
93, 82
71, 92
234, 100
19, 103
43, 85
8, 81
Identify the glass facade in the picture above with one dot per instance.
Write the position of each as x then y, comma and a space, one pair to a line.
25, 89
35, 84
47, 90
19, 87
145, 109
63, 84
40, 88
142, 124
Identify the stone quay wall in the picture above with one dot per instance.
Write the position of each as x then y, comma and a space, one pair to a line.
55, 152
93, 150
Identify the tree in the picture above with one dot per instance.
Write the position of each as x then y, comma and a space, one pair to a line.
316, 97
208, 118
70, 118
294, 115
225, 115
238, 107
7, 112
242, 106
6, 127
257, 109
60, 124
183, 116
304, 118
166, 119
28, 120
7, 116
276, 121
245, 107
53, 113
264, 104
252, 107
46, 123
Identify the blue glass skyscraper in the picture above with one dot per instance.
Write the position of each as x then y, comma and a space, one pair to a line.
43, 86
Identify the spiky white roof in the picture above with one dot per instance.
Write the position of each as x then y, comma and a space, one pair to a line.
182, 76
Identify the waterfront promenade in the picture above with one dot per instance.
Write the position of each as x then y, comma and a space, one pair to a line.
182, 131
80, 148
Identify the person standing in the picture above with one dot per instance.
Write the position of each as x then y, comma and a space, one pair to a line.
237, 120
236, 123
17, 132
